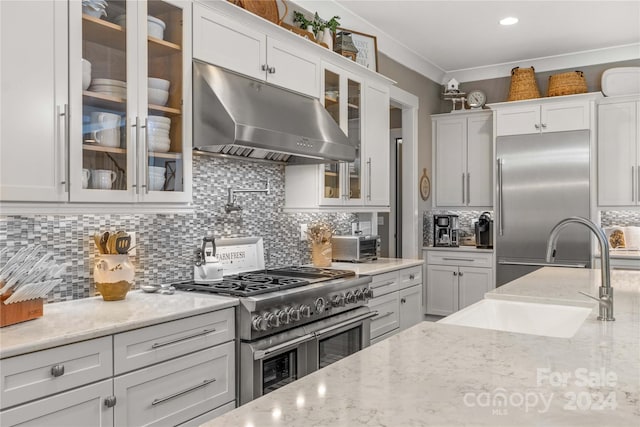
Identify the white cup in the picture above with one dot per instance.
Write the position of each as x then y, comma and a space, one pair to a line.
106, 128
86, 174
102, 179
156, 182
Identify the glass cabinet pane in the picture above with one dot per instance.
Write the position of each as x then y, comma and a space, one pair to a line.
354, 135
104, 98
332, 172
163, 131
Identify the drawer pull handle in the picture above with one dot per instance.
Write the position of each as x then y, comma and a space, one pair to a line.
412, 276
403, 300
385, 284
180, 393
57, 370
162, 344
110, 401
459, 259
382, 316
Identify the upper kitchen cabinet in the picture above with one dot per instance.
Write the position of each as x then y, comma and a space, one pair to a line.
34, 106
619, 152
462, 153
130, 99
223, 41
542, 115
361, 108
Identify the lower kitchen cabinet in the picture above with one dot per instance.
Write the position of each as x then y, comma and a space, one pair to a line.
397, 297
452, 283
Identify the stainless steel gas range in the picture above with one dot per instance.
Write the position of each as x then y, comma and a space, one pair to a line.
291, 321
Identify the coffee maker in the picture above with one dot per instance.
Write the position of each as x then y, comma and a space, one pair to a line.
484, 231
445, 230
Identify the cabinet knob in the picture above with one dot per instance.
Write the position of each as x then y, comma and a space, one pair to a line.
544, 125
264, 67
110, 401
412, 276
57, 370
455, 273
460, 274
537, 126
403, 300
271, 70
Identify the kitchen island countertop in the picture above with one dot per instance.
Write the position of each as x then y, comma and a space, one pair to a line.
379, 266
78, 320
438, 374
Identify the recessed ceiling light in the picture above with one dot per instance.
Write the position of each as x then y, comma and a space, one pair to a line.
508, 21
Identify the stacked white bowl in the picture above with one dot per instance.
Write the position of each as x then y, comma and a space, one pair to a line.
86, 74
158, 134
158, 91
95, 8
156, 178
155, 26
109, 87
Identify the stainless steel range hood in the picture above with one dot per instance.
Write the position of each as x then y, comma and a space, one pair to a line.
240, 116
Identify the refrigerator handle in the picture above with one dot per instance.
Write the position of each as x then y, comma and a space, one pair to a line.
500, 210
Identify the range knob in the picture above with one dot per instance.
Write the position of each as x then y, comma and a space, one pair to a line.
294, 314
259, 323
351, 298
337, 300
283, 317
320, 305
272, 320
368, 293
359, 295
305, 310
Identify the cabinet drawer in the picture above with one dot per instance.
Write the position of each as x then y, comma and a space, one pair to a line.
384, 283
79, 407
146, 346
410, 277
34, 375
176, 391
482, 259
202, 419
387, 319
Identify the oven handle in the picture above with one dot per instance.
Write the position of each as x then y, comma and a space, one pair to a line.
346, 323
261, 354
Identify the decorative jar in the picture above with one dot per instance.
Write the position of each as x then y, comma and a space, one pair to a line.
113, 275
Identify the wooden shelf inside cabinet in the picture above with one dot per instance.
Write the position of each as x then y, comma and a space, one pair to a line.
103, 32
101, 148
167, 155
159, 48
170, 111
326, 173
330, 101
353, 106
101, 100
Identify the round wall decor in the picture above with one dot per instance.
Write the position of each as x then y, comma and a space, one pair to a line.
425, 185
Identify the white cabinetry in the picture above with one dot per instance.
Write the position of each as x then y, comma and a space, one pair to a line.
462, 159
619, 152
397, 297
168, 373
556, 114
456, 279
222, 41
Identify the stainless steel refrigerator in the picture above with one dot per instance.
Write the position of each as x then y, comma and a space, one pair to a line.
541, 179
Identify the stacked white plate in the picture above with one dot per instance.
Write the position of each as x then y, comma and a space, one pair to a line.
155, 26
86, 74
158, 134
156, 178
109, 87
158, 91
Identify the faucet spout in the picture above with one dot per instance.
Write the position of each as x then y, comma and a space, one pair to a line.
605, 291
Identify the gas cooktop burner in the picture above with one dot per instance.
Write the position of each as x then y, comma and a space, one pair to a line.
312, 272
244, 285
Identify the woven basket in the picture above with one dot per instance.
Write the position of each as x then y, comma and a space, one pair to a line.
267, 9
567, 83
523, 84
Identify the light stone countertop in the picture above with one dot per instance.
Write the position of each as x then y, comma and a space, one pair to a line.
379, 266
78, 320
447, 375
458, 248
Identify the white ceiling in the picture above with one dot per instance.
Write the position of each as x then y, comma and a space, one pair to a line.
464, 39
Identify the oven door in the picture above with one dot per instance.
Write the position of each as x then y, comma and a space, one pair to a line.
347, 334
270, 363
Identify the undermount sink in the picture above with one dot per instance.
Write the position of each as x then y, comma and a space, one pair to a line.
550, 320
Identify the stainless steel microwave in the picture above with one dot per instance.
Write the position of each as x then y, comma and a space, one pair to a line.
355, 248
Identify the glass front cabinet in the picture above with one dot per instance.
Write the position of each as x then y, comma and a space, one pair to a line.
129, 76
342, 98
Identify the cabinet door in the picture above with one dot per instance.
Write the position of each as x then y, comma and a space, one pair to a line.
518, 120
479, 161
387, 319
473, 284
450, 142
376, 145
80, 407
222, 41
617, 154
33, 84
564, 116
292, 68
442, 289
410, 306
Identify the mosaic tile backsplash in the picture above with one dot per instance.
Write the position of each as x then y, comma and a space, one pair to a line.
166, 242
620, 218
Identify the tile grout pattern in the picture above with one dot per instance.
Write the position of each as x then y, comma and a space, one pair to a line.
167, 242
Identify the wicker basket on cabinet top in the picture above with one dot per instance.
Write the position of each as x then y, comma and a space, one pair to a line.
523, 84
567, 84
